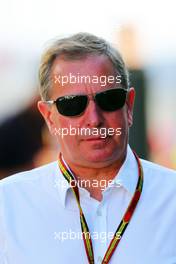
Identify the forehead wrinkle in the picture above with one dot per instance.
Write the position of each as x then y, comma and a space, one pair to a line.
89, 66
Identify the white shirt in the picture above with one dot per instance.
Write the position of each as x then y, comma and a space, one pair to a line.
39, 217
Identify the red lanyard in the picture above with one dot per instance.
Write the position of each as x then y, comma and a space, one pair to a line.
123, 224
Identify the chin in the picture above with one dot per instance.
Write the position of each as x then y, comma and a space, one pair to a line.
99, 157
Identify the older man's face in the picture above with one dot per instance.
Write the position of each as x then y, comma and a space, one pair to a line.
88, 150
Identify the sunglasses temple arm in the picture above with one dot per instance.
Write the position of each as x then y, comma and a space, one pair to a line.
50, 102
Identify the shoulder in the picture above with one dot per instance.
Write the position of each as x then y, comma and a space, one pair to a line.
155, 170
21, 195
159, 179
28, 177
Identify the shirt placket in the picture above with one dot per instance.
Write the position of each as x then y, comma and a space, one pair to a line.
100, 227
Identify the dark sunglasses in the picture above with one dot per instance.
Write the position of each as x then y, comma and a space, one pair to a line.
74, 105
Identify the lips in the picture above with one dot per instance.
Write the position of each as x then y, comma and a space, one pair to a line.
95, 138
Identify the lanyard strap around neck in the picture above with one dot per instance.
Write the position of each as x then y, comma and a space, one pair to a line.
124, 222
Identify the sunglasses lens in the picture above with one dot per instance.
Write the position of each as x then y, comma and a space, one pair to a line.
111, 100
71, 105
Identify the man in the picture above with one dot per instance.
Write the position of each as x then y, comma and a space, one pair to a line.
99, 203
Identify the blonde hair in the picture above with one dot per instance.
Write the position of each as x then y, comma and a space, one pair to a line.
76, 47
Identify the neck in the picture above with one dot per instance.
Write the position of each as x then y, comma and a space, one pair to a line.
95, 180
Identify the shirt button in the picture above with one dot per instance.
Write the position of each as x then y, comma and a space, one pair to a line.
99, 260
118, 183
99, 213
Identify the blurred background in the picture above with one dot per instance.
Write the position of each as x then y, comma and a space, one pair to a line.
143, 31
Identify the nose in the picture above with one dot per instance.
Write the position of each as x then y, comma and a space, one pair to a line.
93, 115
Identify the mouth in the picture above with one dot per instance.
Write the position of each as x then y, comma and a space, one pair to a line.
97, 139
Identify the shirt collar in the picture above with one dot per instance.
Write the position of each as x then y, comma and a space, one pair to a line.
62, 184
126, 177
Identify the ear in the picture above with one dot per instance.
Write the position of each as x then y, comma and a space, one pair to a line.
45, 110
130, 105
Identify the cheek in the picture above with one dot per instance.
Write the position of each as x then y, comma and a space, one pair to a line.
65, 131
117, 120
61, 121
